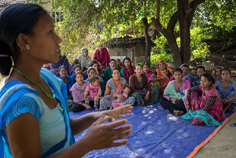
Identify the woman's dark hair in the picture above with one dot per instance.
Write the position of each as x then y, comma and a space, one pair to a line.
90, 69
209, 78
62, 66
94, 62
147, 64
112, 60
201, 67
139, 65
178, 70
14, 20
93, 79
225, 69
77, 65
184, 65
79, 73
115, 68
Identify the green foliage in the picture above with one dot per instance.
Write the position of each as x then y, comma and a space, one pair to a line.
89, 21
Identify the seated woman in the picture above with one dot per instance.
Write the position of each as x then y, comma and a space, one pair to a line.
114, 87
147, 71
78, 90
77, 68
127, 69
62, 61
226, 88
92, 72
96, 66
83, 59
186, 75
102, 56
118, 63
203, 103
173, 100
66, 79
196, 79
161, 76
217, 73
107, 72
142, 92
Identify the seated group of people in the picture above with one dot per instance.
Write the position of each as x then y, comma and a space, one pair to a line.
107, 84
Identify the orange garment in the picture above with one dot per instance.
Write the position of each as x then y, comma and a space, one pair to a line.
160, 74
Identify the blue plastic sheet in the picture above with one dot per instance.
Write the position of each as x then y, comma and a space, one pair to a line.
155, 134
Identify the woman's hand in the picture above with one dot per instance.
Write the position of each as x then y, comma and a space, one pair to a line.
117, 112
175, 100
119, 96
101, 136
163, 78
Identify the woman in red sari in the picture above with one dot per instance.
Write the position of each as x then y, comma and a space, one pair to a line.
127, 69
102, 56
161, 76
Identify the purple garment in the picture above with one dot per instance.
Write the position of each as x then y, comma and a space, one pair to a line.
185, 85
78, 91
62, 61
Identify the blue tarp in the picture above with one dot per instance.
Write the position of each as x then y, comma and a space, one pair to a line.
155, 134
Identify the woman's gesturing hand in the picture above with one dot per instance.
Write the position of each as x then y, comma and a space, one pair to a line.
117, 112
101, 136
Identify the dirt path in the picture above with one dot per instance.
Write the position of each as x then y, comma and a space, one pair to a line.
223, 145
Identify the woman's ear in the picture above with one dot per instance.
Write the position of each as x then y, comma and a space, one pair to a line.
22, 42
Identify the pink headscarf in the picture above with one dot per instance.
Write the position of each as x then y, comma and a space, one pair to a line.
102, 57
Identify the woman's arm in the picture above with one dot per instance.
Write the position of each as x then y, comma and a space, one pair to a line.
132, 84
25, 130
153, 78
209, 102
86, 92
108, 90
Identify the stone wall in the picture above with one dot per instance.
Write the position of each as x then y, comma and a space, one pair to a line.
135, 53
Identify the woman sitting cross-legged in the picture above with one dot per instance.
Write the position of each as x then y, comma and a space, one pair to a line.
227, 89
78, 90
114, 88
161, 76
173, 100
203, 103
142, 92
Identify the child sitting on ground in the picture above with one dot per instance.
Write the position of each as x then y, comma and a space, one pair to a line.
119, 102
93, 92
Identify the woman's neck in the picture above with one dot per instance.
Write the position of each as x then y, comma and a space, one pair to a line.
206, 88
226, 81
138, 75
127, 68
80, 83
179, 81
63, 77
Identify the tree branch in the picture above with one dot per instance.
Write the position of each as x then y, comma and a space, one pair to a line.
173, 20
193, 5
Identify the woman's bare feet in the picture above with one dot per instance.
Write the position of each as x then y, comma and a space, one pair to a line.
146, 98
178, 112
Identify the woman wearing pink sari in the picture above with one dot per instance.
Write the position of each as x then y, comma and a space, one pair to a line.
205, 98
147, 71
102, 56
113, 91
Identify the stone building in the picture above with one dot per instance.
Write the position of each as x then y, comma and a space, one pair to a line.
134, 48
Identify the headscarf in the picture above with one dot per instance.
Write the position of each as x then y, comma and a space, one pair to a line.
127, 74
84, 61
160, 74
62, 61
102, 57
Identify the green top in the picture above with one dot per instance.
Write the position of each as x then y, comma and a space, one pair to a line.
171, 91
107, 74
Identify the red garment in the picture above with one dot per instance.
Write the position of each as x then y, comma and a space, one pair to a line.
102, 57
127, 74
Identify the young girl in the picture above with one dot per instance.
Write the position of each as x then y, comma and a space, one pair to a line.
120, 102
93, 92
77, 68
78, 90
147, 71
200, 71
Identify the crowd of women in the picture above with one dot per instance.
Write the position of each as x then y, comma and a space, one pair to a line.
119, 84
34, 118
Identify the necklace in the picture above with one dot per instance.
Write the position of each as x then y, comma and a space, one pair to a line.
48, 95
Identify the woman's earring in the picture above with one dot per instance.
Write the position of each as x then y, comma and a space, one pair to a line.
27, 46
21, 49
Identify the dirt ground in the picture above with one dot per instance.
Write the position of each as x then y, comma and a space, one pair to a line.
223, 145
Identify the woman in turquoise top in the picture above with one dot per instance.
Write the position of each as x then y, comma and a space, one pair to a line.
34, 119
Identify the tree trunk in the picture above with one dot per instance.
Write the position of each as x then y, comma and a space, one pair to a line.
148, 41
